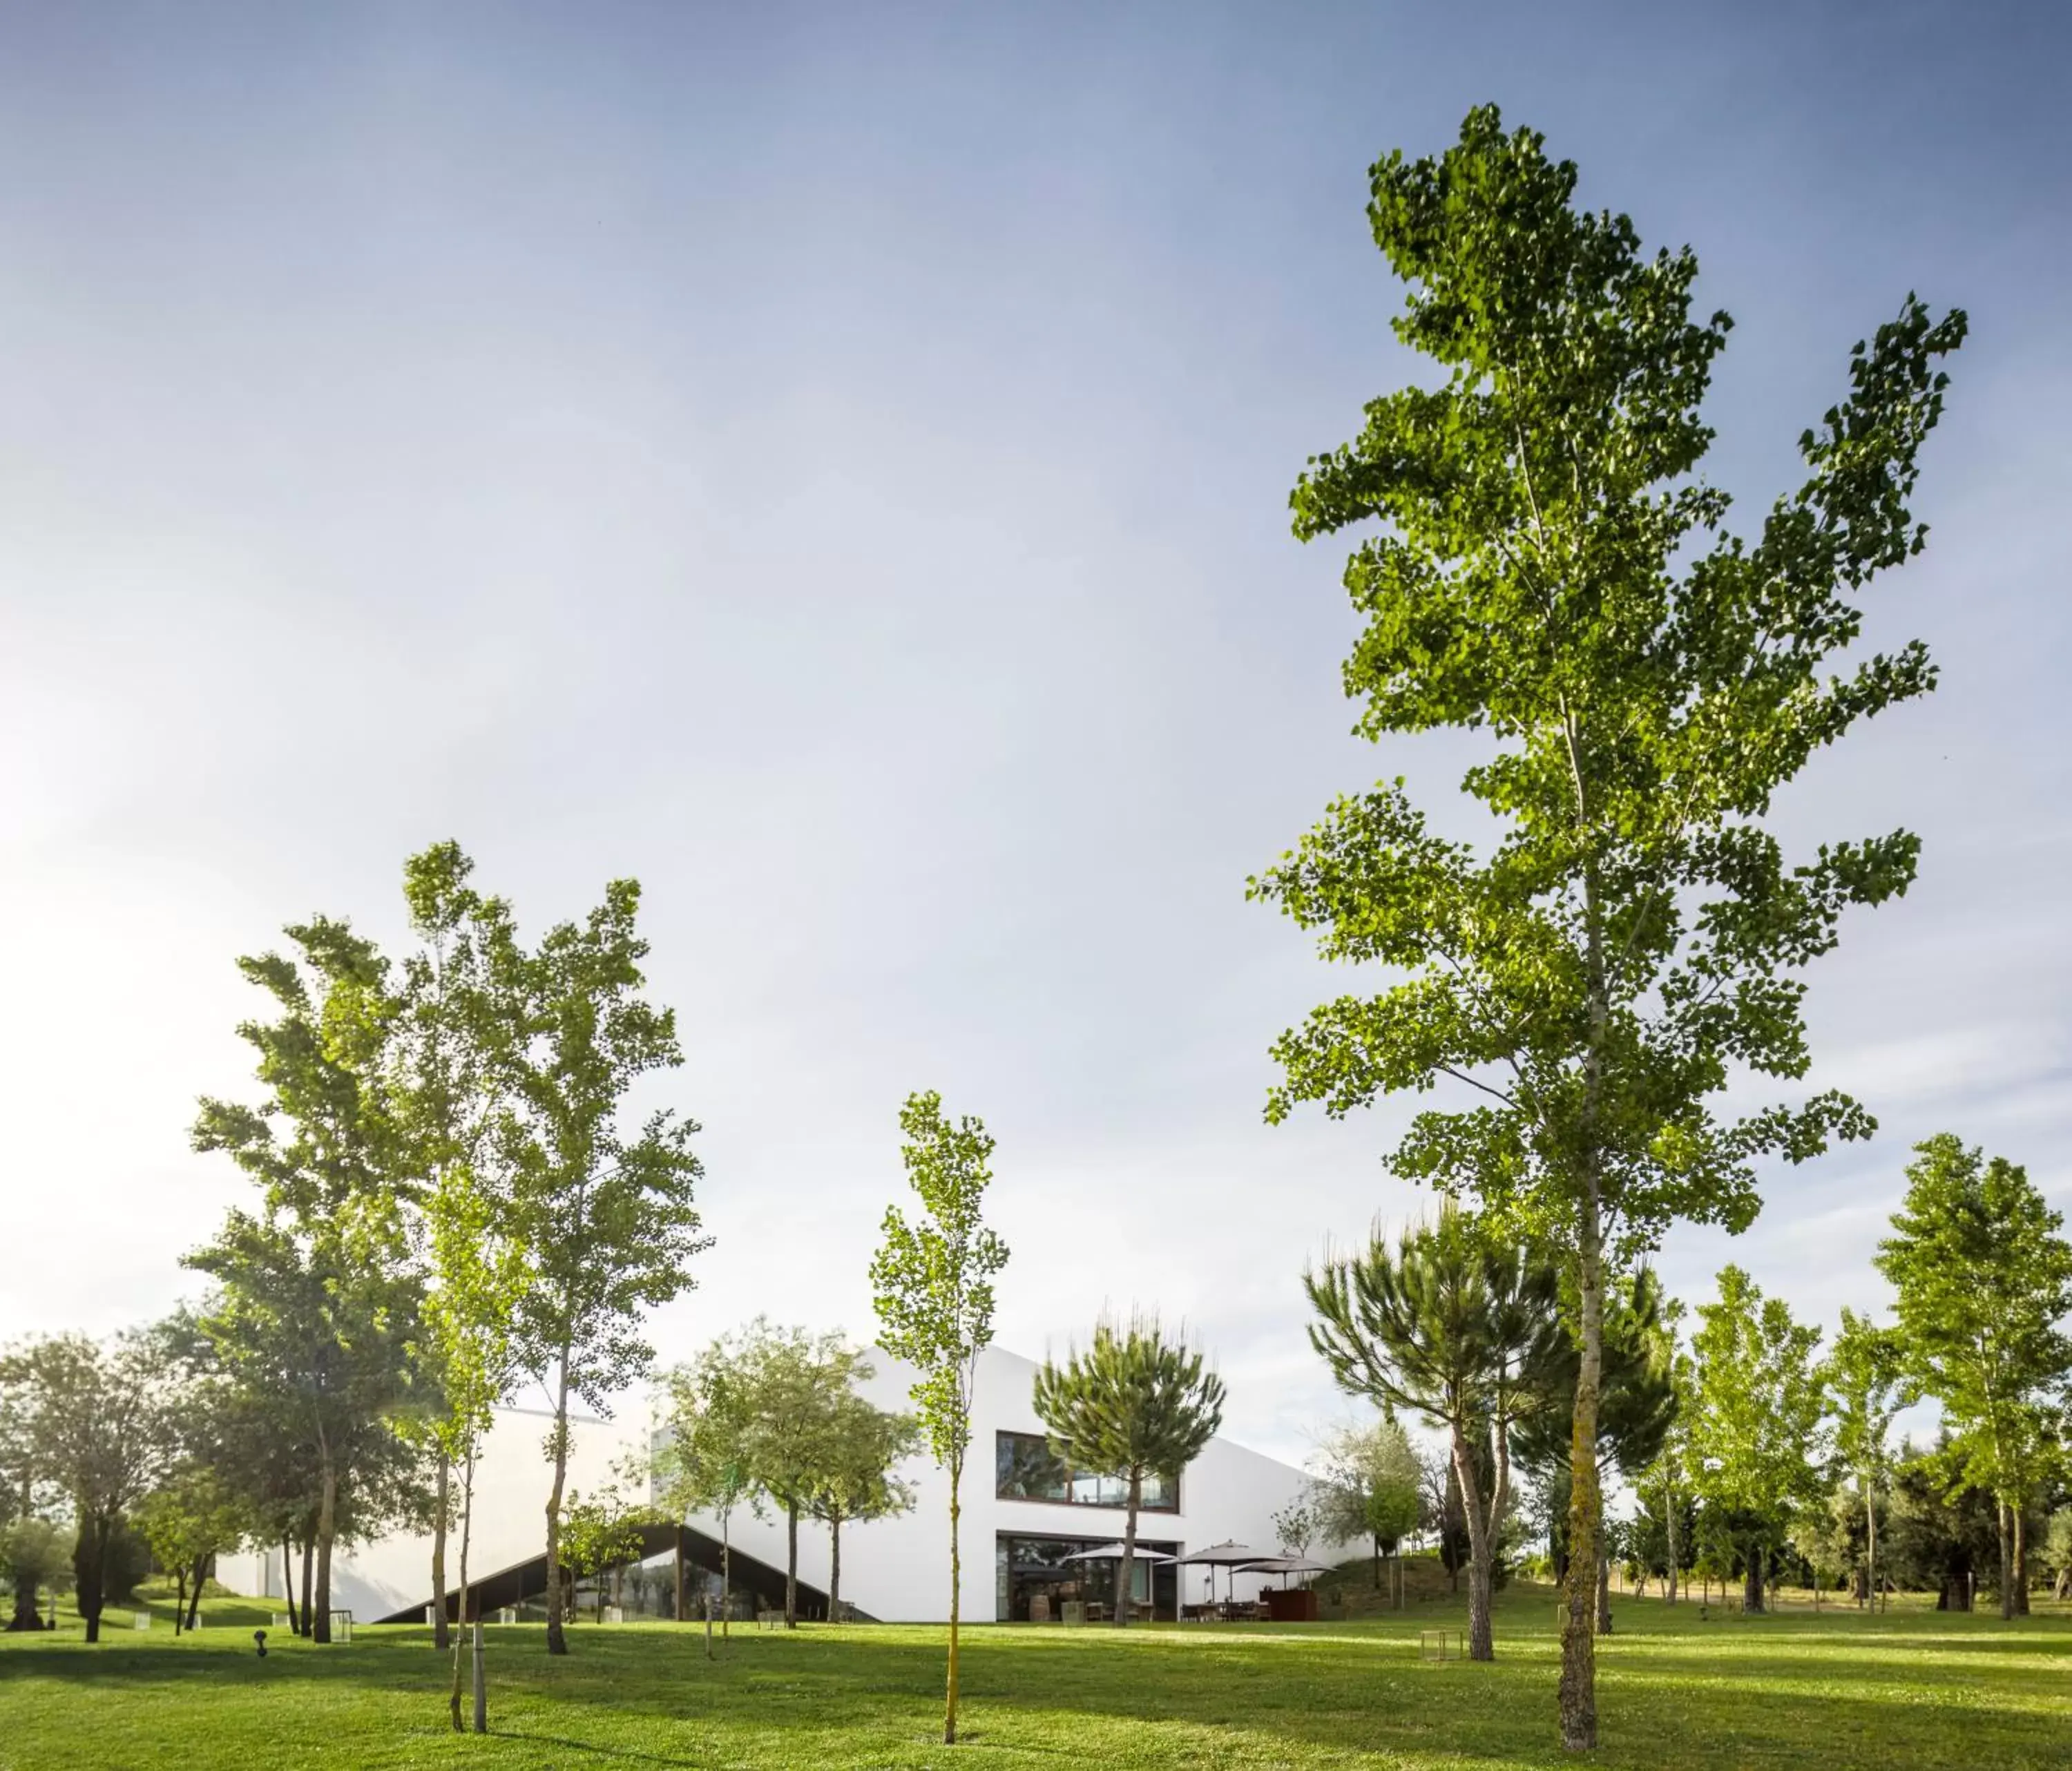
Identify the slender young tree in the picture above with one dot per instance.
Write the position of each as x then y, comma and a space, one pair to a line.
1862, 1378
1456, 1323
605, 1220
1984, 1281
857, 1480
1551, 575
1134, 1404
1755, 1430
931, 1282
451, 1029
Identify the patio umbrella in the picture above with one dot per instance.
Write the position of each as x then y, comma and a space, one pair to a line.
1113, 1552
1226, 1554
1284, 1566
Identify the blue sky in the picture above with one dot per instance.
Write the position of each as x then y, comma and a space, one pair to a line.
830, 462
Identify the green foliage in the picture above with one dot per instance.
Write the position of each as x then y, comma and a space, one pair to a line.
1756, 1431
600, 1531
1373, 1486
1458, 1324
1548, 571
97, 1426
1550, 574
606, 1222
1133, 1404
191, 1517
1295, 1525
1638, 1397
315, 1303
932, 1280
704, 1461
35, 1553
1862, 1377
784, 1390
856, 1480
931, 1285
1984, 1281
456, 1022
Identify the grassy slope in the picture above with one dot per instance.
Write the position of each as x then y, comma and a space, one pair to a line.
1910, 1690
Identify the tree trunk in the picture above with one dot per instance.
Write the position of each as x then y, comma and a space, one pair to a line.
467, 1531
1128, 1564
678, 1608
834, 1570
200, 1575
309, 1574
726, 1576
89, 1562
791, 1565
179, 1598
1870, 1542
27, 1617
326, 1535
1481, 1644
1578, 1692
558, 1640
1752, 1599
2007, 1562
956, 1596
1604, 1595
440, 1636
1377, 1564
2021, 1564
1669, 1519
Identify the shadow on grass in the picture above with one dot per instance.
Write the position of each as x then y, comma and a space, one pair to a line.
1703, 1697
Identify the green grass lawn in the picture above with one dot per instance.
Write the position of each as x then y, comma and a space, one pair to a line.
1910, 1689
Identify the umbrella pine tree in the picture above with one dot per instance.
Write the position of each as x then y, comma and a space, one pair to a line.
1134, 1404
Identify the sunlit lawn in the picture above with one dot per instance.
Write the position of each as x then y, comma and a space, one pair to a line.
1912, 1689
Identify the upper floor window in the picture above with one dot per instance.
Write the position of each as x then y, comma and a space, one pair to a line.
1025, 1469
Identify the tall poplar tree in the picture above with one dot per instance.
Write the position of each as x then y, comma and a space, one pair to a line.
604, 1218
1862, 1376
457, 1019
1984, 1281
931, 1284
1134, 1404
1551, 575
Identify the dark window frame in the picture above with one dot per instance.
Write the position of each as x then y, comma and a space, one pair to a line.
1068, 1498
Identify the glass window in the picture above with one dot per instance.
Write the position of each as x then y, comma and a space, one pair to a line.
1025, 1469
1028, 1470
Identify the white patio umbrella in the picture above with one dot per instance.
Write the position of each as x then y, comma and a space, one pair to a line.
1113, 1552
1226, 1554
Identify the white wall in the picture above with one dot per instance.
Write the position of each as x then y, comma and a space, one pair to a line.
899, 1569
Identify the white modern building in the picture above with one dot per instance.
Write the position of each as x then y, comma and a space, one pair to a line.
1024, 1514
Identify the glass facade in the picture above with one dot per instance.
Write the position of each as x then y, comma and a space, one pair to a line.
1025, 1469
1033, 1581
